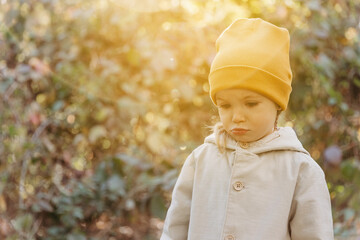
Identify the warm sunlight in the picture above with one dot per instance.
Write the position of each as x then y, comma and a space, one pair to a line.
103, 101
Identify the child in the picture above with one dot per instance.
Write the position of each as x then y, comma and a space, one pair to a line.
250, 180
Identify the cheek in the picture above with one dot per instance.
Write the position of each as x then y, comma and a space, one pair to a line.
269, 119
224, 116
264, 118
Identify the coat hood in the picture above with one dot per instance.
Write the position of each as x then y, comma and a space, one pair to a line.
283, 139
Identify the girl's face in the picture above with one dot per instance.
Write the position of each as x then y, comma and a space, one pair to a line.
246, 115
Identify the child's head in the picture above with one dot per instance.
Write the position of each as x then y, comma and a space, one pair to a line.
246, 115
250, 77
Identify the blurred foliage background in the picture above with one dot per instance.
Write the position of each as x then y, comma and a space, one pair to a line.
102, 100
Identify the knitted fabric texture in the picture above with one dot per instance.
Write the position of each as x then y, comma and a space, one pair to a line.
253, 54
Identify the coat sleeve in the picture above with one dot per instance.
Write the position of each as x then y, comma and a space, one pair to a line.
311, 217
177, 218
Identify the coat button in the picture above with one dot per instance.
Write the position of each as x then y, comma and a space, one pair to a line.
238, 186
229, 237
244, 145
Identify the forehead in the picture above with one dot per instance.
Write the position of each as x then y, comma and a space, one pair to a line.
237, 93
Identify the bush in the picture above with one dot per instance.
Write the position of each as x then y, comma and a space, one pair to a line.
102, 102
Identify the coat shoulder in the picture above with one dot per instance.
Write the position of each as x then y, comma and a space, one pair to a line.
308, 166
204, 149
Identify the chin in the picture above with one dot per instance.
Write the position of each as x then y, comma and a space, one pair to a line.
245, 139
241, 139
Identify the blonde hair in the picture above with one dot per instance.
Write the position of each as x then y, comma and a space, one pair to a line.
220, 136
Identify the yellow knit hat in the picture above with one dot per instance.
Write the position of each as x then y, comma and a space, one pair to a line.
253, 54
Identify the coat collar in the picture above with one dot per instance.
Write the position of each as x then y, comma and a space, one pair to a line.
284, 138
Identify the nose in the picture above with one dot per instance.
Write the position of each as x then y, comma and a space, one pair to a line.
238, 116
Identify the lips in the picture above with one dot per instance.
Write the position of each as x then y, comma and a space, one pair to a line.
239, 131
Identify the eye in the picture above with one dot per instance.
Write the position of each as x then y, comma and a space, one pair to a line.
224, 105
252, 104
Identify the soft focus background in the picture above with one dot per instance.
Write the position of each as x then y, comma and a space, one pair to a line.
102, 100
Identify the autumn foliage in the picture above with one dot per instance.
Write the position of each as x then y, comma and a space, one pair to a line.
101, 102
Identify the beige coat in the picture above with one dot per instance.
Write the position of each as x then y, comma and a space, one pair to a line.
269, 190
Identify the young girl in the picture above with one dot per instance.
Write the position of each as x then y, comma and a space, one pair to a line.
250, 180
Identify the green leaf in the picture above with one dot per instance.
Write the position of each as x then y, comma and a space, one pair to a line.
357, 82
12, 130
78, 213
116, 185
45, 205
157, 206
55, 230
58, 105
23, 223
348, 170
76, 236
